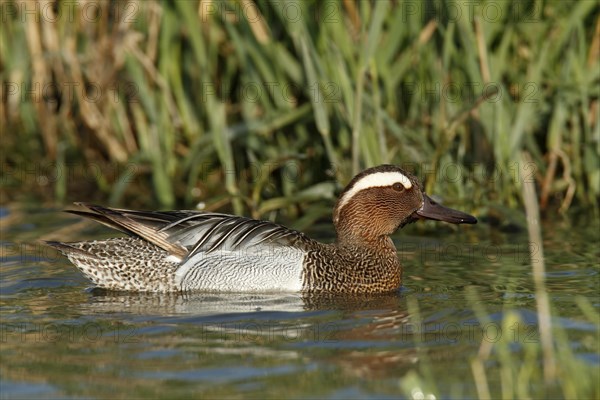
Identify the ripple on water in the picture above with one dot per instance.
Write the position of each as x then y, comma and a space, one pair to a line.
76, 341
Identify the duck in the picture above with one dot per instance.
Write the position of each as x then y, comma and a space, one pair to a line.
185, 250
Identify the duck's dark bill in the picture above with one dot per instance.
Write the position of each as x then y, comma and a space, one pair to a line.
433, 210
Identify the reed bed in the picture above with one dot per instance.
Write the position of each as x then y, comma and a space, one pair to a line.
262, 107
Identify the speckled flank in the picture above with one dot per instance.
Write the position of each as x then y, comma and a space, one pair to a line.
189, 250
123, 264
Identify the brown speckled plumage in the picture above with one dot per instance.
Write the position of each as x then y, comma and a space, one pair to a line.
188, 250
352, 269
127, 263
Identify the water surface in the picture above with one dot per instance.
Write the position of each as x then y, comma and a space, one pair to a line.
61, 338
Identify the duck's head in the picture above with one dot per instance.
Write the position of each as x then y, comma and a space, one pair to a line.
382, 199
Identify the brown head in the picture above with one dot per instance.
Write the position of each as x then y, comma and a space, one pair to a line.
382, 199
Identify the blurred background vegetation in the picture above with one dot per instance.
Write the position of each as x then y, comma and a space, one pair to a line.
267, 108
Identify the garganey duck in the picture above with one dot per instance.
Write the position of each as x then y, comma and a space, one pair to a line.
174, 251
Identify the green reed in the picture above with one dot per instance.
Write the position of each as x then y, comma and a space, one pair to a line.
507, 364
220, 101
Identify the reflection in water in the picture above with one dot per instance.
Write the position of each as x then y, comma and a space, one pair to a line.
209, 303
191, 303
59, 339
361, 322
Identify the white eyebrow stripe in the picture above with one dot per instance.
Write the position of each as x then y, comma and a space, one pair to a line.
378, 179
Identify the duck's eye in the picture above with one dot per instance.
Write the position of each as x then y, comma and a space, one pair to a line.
398, 187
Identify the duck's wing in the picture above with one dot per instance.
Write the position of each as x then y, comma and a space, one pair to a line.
186, 233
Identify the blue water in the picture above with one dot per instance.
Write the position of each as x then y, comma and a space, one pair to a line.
464, 289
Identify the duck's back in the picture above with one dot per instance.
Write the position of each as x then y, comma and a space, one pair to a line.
189, 250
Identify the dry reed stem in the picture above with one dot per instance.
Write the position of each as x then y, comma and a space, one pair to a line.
539, 270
